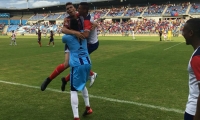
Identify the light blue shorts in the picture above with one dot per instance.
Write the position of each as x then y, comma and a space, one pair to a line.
79, 76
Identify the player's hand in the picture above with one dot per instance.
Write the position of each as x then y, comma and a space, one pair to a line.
79, 35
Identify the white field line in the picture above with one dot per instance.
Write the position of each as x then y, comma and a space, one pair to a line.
104, 98
173, 46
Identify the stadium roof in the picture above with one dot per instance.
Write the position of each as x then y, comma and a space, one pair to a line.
24, 4
94, 3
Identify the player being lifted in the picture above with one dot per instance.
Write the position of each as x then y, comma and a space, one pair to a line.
13, 38
66, 29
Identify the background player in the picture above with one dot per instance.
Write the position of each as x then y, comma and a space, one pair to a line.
169, 34
51, 40
13, 38
39, 37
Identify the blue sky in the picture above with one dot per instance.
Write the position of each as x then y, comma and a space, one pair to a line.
20, 4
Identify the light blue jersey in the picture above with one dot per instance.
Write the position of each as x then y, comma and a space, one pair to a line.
79, 62
78, 50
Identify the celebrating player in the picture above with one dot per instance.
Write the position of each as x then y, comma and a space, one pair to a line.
80, 66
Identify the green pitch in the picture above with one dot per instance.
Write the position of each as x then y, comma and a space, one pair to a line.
142, 79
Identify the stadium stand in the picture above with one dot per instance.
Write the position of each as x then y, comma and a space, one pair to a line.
144, 19
195, 9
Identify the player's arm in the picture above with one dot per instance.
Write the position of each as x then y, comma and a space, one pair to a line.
195, 64
72, 32
87, 28
65, 30
94, 25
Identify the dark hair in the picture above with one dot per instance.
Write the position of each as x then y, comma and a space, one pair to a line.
194, 25
74, 24
85, 5
68, 3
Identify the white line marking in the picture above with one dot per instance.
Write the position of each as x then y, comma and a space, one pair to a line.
104, 98
173, 45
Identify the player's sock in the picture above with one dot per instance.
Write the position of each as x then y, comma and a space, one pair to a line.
59, 69
74, 103
86, 97
67, 78
91, 73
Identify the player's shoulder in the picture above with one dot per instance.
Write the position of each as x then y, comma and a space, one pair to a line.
197, 52
88, 17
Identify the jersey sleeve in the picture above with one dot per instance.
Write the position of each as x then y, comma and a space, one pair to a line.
195, 64
87, 24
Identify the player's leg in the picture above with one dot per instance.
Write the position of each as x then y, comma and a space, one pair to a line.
59, 69
78, 82
92, 48
15, 42
85, 74
39, 42
74, 104
53, 42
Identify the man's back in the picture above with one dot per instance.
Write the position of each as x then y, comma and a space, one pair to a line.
78, 50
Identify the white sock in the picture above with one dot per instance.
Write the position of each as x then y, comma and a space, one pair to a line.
74, 103
86, 97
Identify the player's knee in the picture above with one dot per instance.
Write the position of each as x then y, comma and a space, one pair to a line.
66, 64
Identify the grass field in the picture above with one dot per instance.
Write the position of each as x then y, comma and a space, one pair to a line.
144, 79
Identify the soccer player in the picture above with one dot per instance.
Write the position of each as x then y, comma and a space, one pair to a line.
160, 34
93, 43
165, 36
133, 34
51, 38
80, 66
191, 34
60, 68
13, 38
39, 37
170, 34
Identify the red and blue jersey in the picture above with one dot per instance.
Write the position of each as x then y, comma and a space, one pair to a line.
194, 80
